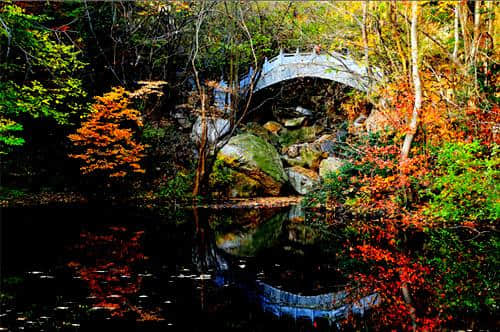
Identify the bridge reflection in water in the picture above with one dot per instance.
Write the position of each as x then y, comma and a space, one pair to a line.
226, 261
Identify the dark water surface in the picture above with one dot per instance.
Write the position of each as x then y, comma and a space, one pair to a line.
120, 269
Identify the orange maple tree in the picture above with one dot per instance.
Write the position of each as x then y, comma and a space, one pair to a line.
107, 137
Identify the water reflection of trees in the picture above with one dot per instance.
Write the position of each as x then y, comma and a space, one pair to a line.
108, 262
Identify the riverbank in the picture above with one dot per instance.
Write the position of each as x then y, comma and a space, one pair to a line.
26, 199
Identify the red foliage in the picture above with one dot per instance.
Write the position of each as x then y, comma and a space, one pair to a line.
385, 220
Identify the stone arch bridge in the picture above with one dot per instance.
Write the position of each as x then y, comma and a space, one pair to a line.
286, 66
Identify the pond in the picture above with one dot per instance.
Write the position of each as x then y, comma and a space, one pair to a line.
80, 268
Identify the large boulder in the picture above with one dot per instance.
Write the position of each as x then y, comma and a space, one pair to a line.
303, 180
256, 159
216, 129
303, 154
329, 165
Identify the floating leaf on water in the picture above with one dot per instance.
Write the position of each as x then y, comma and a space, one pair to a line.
47, 277
114, 296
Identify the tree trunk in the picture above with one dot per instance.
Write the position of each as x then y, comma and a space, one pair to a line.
475, 40
456, 31
463, 17
412, 127
407, 298
202, 151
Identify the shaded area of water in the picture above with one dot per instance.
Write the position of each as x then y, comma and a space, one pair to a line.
79, 268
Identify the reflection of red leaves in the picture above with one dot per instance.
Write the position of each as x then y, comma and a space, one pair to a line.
107, 267
386, 221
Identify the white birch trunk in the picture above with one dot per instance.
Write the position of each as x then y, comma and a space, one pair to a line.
412, 127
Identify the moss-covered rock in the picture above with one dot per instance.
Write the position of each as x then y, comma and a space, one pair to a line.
255, 165
304, 154
258, 130
301, 135
311, 157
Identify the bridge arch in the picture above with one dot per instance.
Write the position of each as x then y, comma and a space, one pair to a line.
330, 66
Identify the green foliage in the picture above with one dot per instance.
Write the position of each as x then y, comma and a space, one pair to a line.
467, 186
7, 193
178, 188
465, 249
468, 268
7, 130
151, 135
336, 186
37, 75
221, 175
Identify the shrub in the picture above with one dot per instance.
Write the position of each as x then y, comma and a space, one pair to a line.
466, 187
